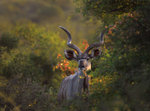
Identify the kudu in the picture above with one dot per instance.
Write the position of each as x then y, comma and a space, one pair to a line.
73, 85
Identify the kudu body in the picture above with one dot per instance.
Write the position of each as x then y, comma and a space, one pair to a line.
73, 85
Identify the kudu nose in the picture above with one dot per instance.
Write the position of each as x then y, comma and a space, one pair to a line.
81, 64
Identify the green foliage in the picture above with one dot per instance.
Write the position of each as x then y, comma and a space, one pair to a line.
27, 54
32, 54
26, 95
122, 73
109, 10
8, 41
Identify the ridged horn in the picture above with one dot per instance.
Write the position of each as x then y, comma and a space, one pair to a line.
70, 40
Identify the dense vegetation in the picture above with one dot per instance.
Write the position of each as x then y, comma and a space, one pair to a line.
124, 69
32, 62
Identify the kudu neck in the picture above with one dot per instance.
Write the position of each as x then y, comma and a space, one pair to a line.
82, 72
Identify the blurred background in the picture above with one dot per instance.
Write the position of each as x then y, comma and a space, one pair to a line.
46, 13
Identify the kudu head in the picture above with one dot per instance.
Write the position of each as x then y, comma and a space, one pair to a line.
82, 58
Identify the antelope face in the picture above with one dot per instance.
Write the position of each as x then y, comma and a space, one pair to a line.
82, 58
84, 64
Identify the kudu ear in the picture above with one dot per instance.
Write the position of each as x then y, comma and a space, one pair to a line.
70, 55
95, 53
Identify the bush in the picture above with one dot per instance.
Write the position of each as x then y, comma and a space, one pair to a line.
9, 41
34, 54
27, 95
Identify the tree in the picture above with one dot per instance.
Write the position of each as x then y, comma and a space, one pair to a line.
122, 73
